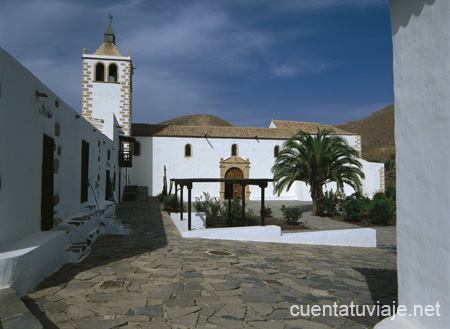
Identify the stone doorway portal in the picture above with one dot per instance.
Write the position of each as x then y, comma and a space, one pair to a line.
234, 167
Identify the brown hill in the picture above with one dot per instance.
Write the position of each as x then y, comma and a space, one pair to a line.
377, 134
197, 120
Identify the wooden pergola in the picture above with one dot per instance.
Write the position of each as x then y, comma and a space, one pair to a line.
188, 182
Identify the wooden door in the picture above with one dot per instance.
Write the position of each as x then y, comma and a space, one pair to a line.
236, 189
84, 171
47, 184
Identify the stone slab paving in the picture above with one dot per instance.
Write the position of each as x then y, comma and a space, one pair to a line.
153, 278
14, 313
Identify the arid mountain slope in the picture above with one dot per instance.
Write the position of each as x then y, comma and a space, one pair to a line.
197, 120
377, 134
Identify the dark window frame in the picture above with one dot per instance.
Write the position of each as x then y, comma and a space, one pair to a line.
114, 74
234, 150
188, 151
99, 74
276, 151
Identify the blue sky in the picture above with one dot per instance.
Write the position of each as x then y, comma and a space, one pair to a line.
245, 61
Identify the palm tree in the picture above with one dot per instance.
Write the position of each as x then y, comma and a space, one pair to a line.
317, 160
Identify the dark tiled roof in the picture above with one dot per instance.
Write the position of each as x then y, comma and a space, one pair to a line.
142, 129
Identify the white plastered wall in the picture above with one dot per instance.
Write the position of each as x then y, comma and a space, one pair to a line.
422, 100
24, 119
157, 152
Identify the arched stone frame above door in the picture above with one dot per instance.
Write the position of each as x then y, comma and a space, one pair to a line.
234, 162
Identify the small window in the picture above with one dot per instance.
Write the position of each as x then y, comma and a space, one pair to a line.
276, 151
99, 72
188, 151
234, 150
112, 72
136, 148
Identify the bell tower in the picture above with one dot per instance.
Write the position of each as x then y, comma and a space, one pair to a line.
107, 82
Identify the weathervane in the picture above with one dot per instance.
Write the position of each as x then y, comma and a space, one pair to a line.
110, 18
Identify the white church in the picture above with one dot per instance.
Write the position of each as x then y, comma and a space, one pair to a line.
196, 151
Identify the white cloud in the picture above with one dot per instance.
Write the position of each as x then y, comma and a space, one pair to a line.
158, 95
309, 5
199, 36
284, 71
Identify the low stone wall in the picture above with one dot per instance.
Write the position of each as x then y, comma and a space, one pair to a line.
364, 237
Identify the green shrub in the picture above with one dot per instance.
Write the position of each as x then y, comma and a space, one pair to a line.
291, 215
267, 212
161, 197
389, 165
355, 208
210, 206
381, 211
326, 205
379, 196
391, 192
250, 214
171, 203
236, 214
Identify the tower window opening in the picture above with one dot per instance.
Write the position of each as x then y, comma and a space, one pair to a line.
99, 72
112, 73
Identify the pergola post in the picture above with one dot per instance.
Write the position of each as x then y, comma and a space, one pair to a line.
243, 200
181, 201
262, 186
189, 186
229, 212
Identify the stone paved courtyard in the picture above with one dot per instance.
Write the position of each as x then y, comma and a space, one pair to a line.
153, 278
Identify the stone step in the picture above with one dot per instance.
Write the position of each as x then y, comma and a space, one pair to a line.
129, 193
78, 251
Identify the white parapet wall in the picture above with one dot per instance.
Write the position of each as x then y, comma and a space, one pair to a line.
24, 264
365, 237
